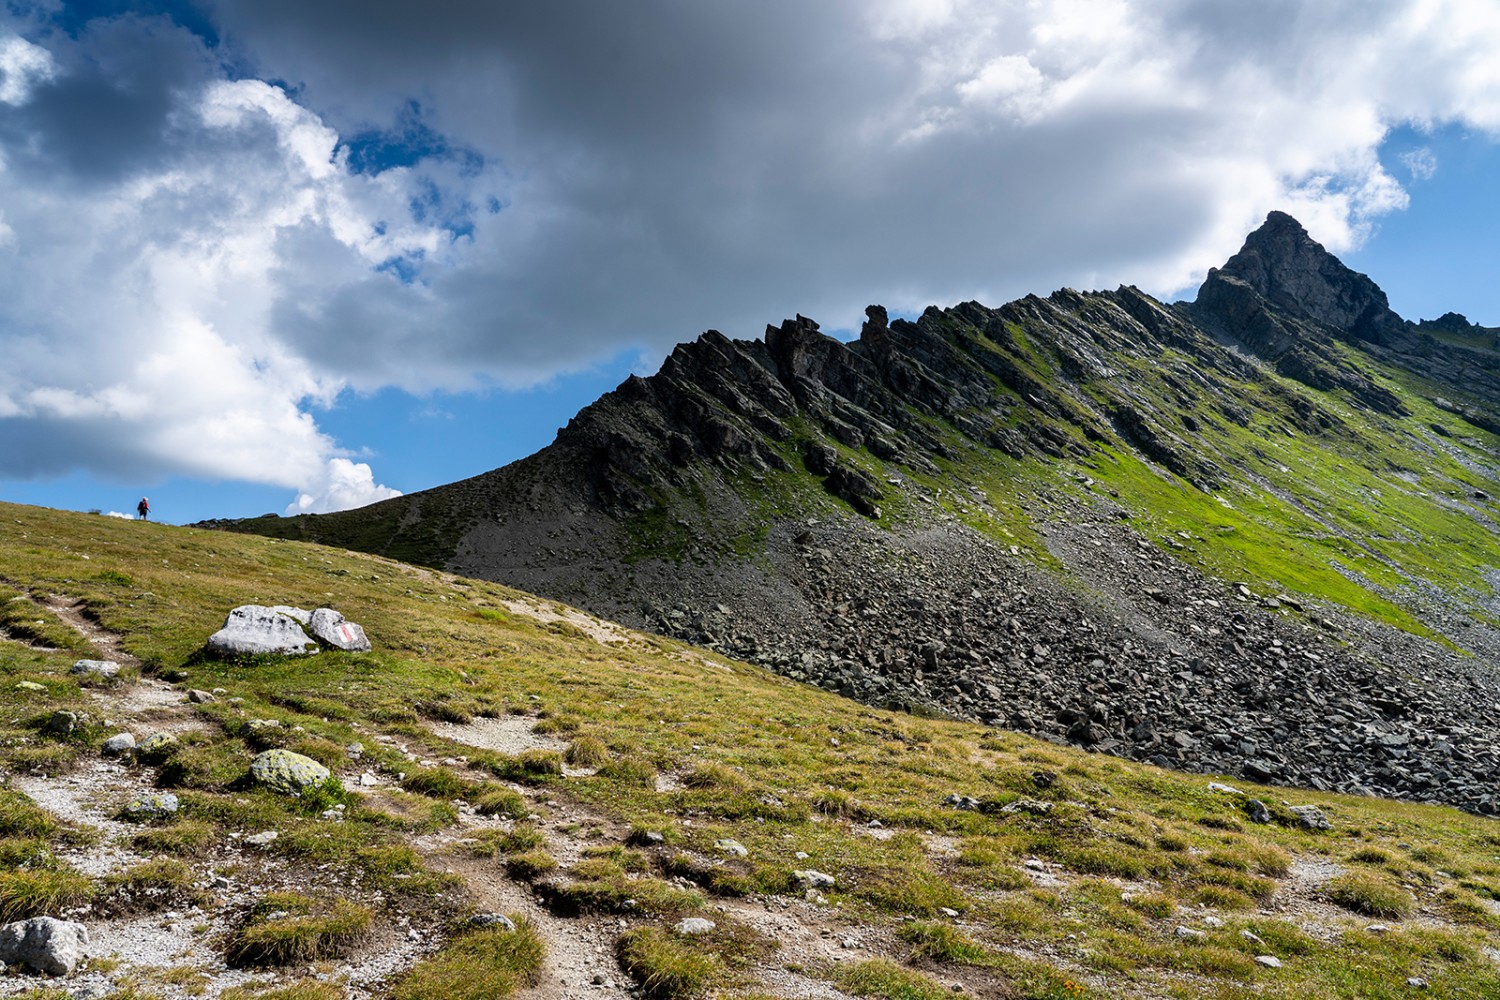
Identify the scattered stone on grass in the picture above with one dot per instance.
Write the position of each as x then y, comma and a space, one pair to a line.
105, 669
693, 926
287, 772
1311, 818
151, 806
120, 743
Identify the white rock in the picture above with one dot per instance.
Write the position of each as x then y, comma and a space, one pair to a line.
1214, 786
733, 847
1269, 961
44, 944
368, 780
254, 628
261, 839
333, 629
1213, 922
693, 926
1188, 934
99, 668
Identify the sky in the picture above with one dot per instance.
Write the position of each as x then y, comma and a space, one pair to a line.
281, 256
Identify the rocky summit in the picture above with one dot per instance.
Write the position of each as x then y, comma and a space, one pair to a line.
1252, 534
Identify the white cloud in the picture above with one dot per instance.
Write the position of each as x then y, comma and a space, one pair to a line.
21, 64
182, 294
1421, 163
344, 484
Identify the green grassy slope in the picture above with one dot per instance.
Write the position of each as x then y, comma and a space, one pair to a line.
1071, 879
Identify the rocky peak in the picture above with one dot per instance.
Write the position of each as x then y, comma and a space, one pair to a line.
1294, 275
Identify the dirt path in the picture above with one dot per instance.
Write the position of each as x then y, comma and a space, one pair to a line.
75, 614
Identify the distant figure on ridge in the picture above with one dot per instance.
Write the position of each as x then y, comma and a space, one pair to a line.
143, 508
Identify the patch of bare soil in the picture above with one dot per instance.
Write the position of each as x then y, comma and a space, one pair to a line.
510, 734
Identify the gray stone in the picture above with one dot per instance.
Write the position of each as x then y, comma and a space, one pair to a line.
492, 920
693, 926
157, 745
44, 944
287, 772
1269, 961
253, 628
198, 697
1258, 811
815, 879
1032, 806
333, 629
1188, 934
151, 806
302, 615
119, 743
1311, 818
62, 723
105, 669
733, 847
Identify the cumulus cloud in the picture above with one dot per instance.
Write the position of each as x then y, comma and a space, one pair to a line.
202, 246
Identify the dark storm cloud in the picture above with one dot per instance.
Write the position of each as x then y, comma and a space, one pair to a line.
306, 197
107, 111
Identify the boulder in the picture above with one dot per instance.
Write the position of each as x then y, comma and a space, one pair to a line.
120, 743
44, 944
151, 806
102, 669
157, 746
253, 628
287, 772
333, 629
62, 723
814, 879
302, 615
1311, 818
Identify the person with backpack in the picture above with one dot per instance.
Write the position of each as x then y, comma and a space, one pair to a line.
143, 508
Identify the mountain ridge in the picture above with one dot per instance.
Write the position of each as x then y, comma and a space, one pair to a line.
1182, 533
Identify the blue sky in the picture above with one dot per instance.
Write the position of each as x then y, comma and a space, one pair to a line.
280, 256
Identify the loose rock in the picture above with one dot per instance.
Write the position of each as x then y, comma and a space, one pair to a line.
287, 772
44, 944
151, 806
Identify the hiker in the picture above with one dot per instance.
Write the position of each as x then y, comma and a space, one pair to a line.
143, 508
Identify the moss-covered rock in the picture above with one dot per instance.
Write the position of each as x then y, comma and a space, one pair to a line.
287, 772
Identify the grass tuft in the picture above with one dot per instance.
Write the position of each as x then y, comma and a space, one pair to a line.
664, 966
1371, 895
485, 964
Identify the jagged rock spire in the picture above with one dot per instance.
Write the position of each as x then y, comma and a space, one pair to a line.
1284, 266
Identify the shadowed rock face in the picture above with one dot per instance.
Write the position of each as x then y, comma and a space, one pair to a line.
1299, 279
800, 502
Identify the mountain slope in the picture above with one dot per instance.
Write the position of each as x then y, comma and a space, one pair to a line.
498, 752
1254, 533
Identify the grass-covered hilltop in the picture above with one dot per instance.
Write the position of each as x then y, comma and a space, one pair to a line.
648, 818
1253, 534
